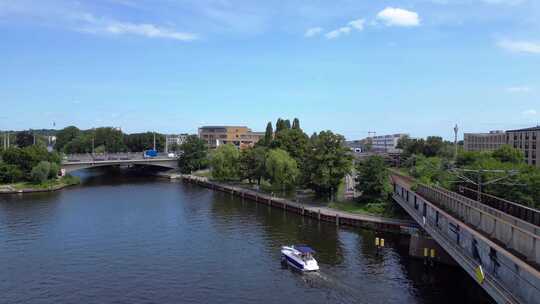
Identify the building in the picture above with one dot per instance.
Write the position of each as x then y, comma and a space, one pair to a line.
386, 143
527, 140
484, 141
240, 136
173, 141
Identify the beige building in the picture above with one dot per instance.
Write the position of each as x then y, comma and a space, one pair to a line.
240, 136
484, 141
526, 140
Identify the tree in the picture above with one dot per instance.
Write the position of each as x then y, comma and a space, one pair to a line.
287, 124
433, 146
268, 135
10, 173
224, 162
252, 164
54, 170
24, 139
40, 172
64, 136
328, 160
430, 170
508, 154
294, 141
112, 139
194, 155
281, 169
138, 142
372, 178
296, 124
280, 125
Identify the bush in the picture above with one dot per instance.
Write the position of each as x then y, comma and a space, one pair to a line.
53, 172
10, 173
40, 172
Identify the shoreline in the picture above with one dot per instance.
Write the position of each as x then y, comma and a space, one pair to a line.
325, 214
30, 190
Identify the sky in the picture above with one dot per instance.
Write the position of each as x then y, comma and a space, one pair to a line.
351, 66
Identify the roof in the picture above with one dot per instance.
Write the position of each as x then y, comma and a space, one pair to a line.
537, 128
219, 127
304, 249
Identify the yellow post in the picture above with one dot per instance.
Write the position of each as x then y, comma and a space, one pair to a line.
377, 241
382, 242
432, 253
479, 274
425, 252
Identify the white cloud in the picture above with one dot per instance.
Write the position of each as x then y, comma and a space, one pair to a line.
398, 17
314, 31
518, 89
521, 46
530, 112
358, 24
96, 26
336, 33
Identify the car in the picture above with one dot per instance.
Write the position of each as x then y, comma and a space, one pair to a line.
171, 155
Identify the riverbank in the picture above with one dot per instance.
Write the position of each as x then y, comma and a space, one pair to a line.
321, 213
48, 186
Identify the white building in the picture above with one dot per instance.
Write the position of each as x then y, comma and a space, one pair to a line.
386, 143
174, 140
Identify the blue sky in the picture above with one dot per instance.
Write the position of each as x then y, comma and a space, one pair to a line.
352, 66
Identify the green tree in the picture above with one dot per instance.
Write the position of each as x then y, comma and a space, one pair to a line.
194, 155
372, 178
138, 142
328, 160
54, 170
224, 162
281, 169
252, 164
430, 170
296, 123
294, 141
40, 172
508, 154
24, 139
433, 146
112, 139
10, 173
64, 136
280, 125
268, 135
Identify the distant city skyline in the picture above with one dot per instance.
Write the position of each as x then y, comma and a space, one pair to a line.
408, 66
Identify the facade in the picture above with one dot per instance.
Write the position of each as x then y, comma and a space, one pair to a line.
386, 143
484, 141
527, 140
174, 140
240, 136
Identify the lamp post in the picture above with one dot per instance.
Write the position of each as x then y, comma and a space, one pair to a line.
456, 129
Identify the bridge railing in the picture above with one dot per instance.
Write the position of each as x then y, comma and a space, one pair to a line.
459, 229
85, 157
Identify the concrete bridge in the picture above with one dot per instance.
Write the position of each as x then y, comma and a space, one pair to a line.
74, 162
500, 251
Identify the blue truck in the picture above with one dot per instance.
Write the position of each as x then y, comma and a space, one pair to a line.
150, 153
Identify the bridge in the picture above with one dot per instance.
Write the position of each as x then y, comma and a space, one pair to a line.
499, 250
74, 162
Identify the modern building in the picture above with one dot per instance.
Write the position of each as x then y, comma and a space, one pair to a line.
527, 140
174, 140
484, 141
240, 136
386, 143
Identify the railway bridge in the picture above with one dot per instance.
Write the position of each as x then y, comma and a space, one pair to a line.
499, 249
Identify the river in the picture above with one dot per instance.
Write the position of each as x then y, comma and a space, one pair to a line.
126, 238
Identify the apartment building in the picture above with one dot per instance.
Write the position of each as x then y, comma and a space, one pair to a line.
385, 143
240, 136
484, 141
527, 140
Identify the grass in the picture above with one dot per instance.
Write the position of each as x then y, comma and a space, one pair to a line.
65, 181
383, 208
203, 173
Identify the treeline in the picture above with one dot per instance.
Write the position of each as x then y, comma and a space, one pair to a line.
31, 163
285, 159
107, 139
434, 162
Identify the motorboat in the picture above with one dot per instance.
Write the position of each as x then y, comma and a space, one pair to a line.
299, 257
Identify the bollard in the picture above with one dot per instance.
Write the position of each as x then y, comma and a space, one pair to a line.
337, 219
